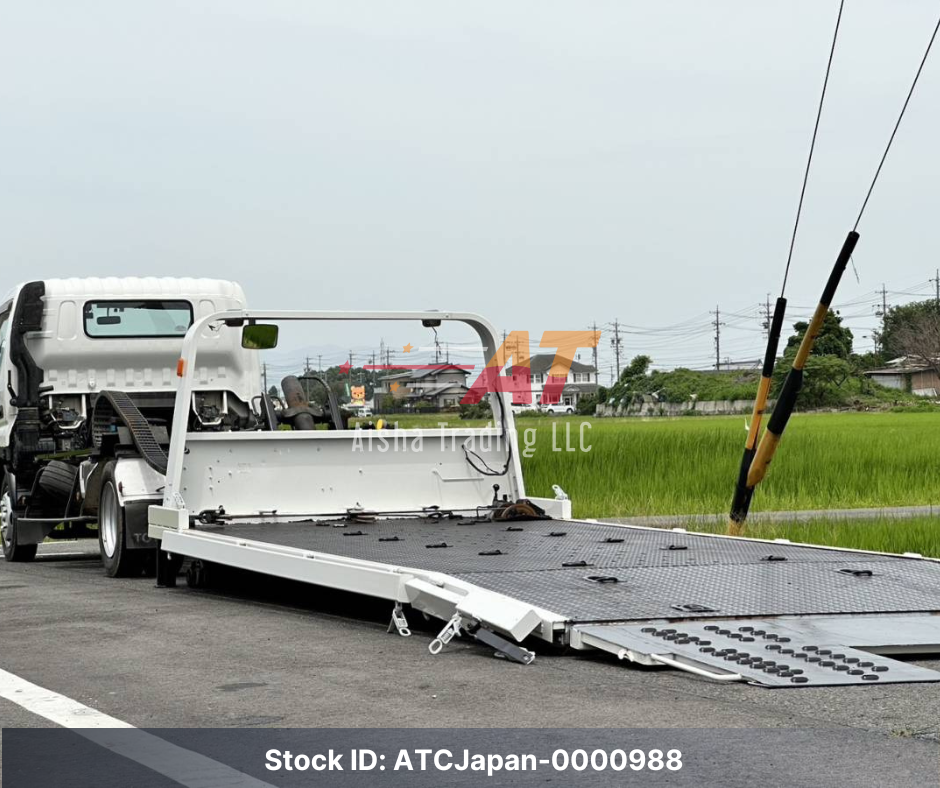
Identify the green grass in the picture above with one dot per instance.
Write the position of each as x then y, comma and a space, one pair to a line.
689, 465
884, 534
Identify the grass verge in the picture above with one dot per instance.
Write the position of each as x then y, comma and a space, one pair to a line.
883, 534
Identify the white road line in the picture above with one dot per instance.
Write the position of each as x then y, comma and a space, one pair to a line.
184, 766
54, 707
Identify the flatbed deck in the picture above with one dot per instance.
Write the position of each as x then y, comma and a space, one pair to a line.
639, 573
770, 613
317, 506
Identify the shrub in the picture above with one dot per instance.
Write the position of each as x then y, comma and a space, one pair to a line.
481, 410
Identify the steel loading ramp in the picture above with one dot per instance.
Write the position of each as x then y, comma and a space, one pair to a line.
773, 653
620, 589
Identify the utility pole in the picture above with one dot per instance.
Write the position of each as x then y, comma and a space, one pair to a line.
883, 312
264, 372
319, 363
718, 325
767, 314
936, 281
306, 379
615, 343
596, 370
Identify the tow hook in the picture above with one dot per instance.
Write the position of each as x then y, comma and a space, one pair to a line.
447, 634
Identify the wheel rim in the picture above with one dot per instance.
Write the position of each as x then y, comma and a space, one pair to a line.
6, 519
108, 520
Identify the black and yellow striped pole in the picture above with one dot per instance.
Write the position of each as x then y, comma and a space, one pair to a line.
786, 401
742, 493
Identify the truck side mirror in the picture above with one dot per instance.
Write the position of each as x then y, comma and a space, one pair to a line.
259, 336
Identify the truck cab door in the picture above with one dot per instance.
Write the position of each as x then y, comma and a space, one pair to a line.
6, 415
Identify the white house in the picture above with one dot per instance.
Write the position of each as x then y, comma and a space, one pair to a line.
580, 382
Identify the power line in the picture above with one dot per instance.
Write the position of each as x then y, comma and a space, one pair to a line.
812, 147
897, 125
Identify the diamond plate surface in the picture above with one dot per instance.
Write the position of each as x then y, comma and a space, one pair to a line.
760, 651
528, 547
723, 577
732, 590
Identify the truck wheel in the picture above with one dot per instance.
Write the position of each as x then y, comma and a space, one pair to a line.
117, 559
11, 550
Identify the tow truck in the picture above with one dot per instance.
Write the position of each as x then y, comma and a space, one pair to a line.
438, 523
87, 387
134, 408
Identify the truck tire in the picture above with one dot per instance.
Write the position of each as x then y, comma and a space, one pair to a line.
58, 479
11, 550
117, 559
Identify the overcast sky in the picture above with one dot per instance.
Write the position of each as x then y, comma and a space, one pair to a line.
547, 164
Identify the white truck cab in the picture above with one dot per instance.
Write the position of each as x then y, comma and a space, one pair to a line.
88, 375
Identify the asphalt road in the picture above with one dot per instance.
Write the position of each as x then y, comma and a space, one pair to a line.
263, 653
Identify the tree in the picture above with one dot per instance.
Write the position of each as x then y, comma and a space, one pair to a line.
636, 368
833, 338
918, 338
823, 379
898, 323
828, 366
587, 404
631, 380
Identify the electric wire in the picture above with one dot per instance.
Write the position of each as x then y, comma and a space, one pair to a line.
812, 147
897, 125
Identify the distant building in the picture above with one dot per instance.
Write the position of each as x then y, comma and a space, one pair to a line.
580, 382
441, 387
905, 374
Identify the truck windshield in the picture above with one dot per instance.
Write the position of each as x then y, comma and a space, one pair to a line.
130, 319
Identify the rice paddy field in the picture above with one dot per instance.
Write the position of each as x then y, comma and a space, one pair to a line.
687, 466
882, 534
